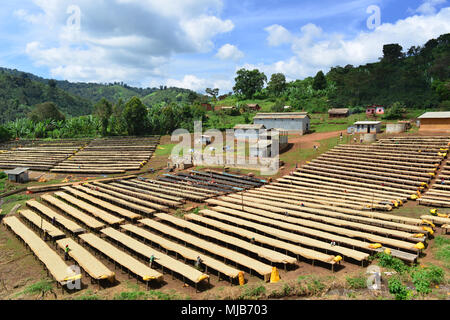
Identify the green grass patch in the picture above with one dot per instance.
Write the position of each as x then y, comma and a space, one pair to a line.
164, 150
250, 293
306, 154
442, 246
11, 201
152, 295
42, 286
358, 282
88, 296
310, 285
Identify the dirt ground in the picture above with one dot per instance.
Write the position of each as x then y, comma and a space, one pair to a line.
19, 269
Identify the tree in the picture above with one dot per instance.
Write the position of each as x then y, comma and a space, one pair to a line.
395, 112
135, 115
103, 111
46, 111
392, 52
212, 92
277, 84
320, 82
247, 83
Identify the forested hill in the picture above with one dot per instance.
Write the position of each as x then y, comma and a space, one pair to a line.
18, 95
418, 77
20, 91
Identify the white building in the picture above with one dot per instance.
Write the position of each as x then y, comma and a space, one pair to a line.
367, 126
296, 122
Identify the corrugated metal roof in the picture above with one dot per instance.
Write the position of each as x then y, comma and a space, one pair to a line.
367, 122
435, 115
284, 115
249, 126
16, 171
339, 110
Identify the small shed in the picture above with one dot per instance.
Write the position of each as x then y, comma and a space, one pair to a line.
367, 126
18, 175
339, 113
254, 107
435, 121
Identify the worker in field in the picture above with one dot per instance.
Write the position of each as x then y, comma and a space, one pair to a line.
152, 259
442, 181
53, 220
198, 263
252, 240
45, 235
66, 252
341, 136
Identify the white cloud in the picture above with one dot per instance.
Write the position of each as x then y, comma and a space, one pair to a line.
198, 84
229, 52
315, 50
429, 6
278, 35
122, 40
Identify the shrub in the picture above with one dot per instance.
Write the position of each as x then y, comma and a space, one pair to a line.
398, 289
357, 282
388, 261
424, 279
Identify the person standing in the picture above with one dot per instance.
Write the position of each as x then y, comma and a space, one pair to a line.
66, 252
198, 263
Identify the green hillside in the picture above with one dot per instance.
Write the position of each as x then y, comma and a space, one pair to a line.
18, 94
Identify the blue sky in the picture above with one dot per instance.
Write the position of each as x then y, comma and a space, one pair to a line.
201, 43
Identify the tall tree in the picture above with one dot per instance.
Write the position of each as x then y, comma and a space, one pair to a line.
103, 111
249, 82
46, 111
392, 52
320, 82
277, 84
135, 115
213, 92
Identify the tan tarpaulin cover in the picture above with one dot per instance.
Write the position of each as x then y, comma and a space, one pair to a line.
115, 199
265, 253
354, 254
41, 223
169, 190
353, 225
77, 214
262, 268
86, 260
368, 219
68, 224
185, 252
120, 211
162, 259
437, 220
296, 249
122, 258
53, 262
330, 231
135, 197
96, 212
139, 190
